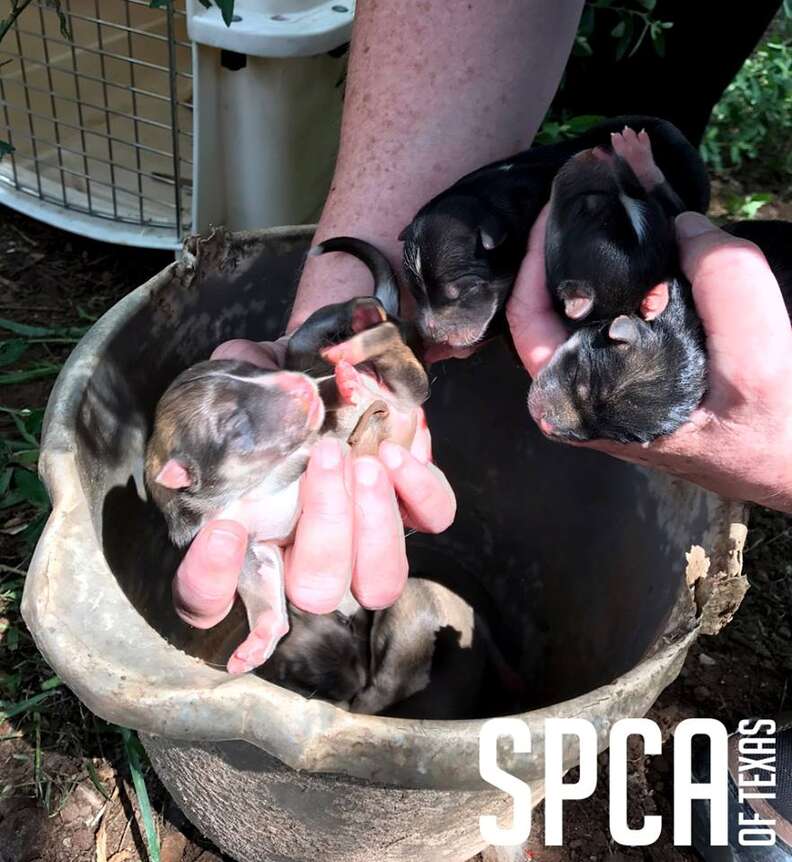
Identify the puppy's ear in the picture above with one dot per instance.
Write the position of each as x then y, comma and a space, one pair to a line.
655, 301
578, 298
492, 232
175, 475
625, 330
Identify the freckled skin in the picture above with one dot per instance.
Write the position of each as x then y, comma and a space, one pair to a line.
431, 125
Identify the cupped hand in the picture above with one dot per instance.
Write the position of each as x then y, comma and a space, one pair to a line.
737, 442
350, 531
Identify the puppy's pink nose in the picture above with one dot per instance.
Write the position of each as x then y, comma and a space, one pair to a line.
304, 391
537, 411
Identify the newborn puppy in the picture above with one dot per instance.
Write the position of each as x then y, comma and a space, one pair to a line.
323, 655
629, 380
429, 655
633, 380
231, 440
335, 323
610, 231
463, 249
611, 253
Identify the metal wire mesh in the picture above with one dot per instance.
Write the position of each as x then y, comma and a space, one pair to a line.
101, 125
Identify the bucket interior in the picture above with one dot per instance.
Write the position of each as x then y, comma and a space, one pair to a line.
573, 558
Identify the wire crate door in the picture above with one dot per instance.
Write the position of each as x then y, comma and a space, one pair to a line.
102, 125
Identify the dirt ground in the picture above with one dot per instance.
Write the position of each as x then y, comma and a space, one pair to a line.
65, 788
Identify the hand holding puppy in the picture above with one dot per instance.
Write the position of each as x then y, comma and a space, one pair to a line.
351, 530
737, 442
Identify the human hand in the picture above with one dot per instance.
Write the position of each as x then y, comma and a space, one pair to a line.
737, 442
350, 531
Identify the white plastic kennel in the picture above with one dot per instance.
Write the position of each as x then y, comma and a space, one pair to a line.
156, 122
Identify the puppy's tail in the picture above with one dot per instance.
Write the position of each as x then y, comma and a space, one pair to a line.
386, 288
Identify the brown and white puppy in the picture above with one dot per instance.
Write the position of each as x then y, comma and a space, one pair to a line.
231, 440
430, 653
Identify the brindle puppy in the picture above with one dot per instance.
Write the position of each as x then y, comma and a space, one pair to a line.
231, 440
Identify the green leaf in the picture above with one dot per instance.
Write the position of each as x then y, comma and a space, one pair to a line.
586, 27
160, 4
5, 149
31, 534
27, 422
63, 19
582, 48
31, 488
618, 31
625, 40
42, 331
648, 4
12, 639
583, 122
134, 750
95, 780
9, 710
9, 377
11, 351
65, 26
227, 10
658, 40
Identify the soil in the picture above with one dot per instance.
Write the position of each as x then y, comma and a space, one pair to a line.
55, 759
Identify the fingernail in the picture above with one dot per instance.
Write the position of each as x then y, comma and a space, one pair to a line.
329, 453
366, 471
221, 545
692, 224
391, 455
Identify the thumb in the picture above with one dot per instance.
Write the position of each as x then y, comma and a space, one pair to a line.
536, 330
735, 292
206, 581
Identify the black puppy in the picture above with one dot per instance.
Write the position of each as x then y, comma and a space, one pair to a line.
610, 231
633, 380
463, 249
630, 380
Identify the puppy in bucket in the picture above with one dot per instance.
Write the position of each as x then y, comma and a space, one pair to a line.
231, 440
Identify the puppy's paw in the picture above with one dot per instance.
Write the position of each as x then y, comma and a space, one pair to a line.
636, 150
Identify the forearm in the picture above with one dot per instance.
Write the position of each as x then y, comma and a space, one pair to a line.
433, 91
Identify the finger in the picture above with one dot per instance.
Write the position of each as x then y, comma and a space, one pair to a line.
424, 492
319, 565
381, 560
421, 447
264, 354
736, 295
206, 580
535, 327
